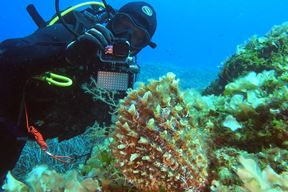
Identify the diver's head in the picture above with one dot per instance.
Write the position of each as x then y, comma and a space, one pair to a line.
136, 22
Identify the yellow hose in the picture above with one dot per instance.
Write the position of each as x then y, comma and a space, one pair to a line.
55, 79
55, 19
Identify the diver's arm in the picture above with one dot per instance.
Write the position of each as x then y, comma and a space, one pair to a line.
20, 59
38, 52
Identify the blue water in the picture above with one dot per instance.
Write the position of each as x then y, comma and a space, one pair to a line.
190, 33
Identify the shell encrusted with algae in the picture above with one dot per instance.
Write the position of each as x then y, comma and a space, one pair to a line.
155, 143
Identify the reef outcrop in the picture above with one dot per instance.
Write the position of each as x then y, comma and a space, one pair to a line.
156, 144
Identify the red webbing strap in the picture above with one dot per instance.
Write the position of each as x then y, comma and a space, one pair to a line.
41, 142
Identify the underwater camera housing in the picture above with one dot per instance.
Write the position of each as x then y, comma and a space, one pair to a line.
117, 70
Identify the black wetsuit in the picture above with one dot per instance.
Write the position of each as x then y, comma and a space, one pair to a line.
19, 60
61, 110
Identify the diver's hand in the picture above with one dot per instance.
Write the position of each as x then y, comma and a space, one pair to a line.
84, 49
96, 38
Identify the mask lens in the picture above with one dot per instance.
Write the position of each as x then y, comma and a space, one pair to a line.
139, 39
122, 24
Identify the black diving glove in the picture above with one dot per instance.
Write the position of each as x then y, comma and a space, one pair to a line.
83, 51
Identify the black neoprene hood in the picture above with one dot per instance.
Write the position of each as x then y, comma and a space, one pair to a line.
143, 15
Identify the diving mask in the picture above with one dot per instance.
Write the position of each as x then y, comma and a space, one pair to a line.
123, 24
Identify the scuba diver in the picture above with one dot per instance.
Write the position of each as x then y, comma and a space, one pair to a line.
66, 52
